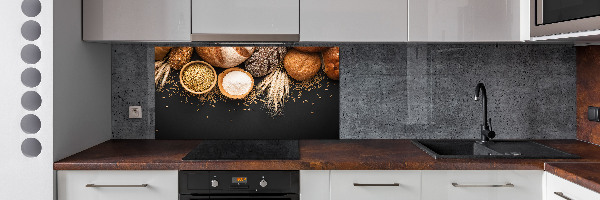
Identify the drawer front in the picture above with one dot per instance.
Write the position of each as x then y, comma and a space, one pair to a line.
566, 190
482, 184
376, 185
117, 185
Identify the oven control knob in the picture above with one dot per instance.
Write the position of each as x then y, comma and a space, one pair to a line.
214, 183
263, 183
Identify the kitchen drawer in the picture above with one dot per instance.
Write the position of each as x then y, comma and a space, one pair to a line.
569, 190
378, 185
162, 185
482, 184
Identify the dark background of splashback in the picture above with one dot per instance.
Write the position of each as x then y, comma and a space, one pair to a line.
397, 91
312, 115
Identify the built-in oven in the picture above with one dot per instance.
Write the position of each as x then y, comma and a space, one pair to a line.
555, 17
234, 185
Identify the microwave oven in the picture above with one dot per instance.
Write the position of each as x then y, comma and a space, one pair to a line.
555, 19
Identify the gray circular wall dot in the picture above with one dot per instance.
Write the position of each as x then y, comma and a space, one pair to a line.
31, 54
31, 124
31, 147
31, 77
31, 8
31, 100
31, 30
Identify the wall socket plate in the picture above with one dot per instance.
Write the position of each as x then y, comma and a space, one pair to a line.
135, 112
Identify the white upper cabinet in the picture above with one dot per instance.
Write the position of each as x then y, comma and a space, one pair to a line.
468, 20
244, 20
136, 20
354, 20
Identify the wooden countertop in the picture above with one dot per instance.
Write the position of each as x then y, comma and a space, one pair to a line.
581, 173
314, 155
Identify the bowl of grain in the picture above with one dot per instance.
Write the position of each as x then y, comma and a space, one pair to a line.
235, 83
198, 77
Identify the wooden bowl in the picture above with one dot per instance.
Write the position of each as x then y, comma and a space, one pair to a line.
222, 75
201, 63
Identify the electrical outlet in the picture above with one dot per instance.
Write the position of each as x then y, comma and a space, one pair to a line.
135, 112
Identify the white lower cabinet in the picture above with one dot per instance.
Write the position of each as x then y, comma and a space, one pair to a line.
375, 185
561, 189
341, 185
117, 185
482, 184
314, 184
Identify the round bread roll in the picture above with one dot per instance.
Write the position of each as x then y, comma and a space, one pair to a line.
265, 60
161, 52
311, 49
180, 56
301, 65
224, 57
331, 58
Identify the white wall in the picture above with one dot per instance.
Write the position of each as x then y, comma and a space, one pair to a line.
24, 177
82, 84
74, 88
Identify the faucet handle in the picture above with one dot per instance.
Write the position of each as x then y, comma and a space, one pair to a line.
491, 124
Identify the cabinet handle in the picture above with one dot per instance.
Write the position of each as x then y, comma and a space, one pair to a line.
560, 194
367, 184
94, 185
505, 185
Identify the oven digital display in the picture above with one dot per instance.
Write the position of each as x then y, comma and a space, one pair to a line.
239, 180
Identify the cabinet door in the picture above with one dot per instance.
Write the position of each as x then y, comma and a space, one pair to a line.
482, 184
375, 185
468, 20
314, 185
212, 19
354, 20
561, 189
136, 20
117, 185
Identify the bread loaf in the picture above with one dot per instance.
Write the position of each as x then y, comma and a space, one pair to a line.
265, 60
331, 59
311, 49
161, 52
224, 57
180, 56
302, 65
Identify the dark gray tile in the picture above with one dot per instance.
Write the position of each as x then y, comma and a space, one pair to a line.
131, 86
373, 59
410, 90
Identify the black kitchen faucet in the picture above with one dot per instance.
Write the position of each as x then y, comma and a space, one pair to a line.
486, 129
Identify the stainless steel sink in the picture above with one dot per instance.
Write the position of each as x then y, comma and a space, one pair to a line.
493, 149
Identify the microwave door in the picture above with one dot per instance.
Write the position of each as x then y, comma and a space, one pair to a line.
555, 11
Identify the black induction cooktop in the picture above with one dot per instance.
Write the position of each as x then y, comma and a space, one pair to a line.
245, 150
